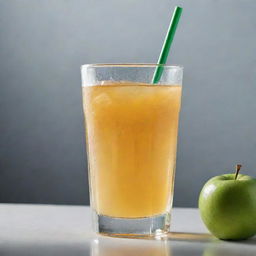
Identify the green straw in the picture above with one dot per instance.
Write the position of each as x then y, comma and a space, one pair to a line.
167, 44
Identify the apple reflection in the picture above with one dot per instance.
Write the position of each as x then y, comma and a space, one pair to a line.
229, 248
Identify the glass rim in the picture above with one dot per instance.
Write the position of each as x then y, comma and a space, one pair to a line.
132, 65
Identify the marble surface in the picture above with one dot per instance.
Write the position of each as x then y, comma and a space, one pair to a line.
42, 230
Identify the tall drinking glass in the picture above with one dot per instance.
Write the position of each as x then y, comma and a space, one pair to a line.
131, 131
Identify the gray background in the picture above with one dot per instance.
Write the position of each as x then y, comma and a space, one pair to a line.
44, 42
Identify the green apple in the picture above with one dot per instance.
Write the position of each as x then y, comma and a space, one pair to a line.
227, 206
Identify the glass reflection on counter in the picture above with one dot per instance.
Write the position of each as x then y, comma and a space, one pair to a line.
129, 247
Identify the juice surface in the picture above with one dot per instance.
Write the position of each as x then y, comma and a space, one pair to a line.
131, 131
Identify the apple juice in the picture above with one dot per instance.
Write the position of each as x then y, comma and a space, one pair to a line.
131, 131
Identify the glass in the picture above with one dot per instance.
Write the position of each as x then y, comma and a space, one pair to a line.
131, 131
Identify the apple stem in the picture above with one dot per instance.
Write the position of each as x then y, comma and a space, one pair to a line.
238, 167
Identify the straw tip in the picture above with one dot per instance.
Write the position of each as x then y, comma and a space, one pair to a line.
178, 8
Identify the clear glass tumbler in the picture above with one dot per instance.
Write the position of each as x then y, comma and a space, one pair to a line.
131, 131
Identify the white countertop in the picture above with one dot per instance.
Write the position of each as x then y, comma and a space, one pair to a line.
66, 230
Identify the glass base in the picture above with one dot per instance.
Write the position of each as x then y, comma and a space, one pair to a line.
157, 225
